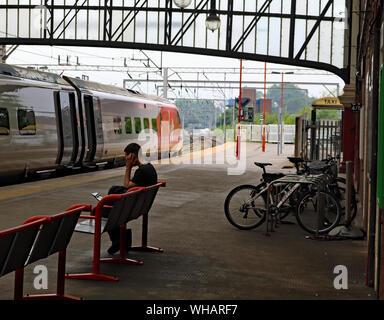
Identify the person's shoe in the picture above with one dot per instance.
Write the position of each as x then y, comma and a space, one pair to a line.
115, 247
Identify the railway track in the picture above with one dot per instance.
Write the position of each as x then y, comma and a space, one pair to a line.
195, 143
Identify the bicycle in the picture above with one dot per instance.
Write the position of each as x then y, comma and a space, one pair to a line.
337, 185
251, 189
249, 202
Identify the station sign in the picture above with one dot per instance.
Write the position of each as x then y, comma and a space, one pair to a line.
356, 107
327, 103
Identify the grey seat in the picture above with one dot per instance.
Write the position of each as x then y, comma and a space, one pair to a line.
16, 244
36, 239
54, 236
123, 210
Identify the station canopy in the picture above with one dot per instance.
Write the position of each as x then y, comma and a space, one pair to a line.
311, 34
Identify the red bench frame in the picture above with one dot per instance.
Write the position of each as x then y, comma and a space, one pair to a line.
19, 273
96, 214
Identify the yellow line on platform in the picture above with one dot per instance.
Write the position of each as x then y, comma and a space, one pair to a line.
31, 189
186, 158
9, 192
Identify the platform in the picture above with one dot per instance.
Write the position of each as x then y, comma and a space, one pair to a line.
204, 256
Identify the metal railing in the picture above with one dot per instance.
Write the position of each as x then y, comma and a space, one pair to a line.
320, 139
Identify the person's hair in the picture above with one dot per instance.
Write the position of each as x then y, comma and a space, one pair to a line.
132, 148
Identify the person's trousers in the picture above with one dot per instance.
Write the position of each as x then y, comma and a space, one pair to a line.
114, 234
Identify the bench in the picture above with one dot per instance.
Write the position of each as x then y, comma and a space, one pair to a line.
125, 207
38, 238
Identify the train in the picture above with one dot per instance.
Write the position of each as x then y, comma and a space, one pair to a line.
51, 123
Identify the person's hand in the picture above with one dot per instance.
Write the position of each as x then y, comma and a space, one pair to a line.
130, 160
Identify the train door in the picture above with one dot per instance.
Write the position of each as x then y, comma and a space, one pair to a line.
74, 127
98, 128
6, 156
90, 128
165, 131
79, 128
66, 128
92, 111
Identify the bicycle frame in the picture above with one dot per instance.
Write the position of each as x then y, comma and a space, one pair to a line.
288, 194
291, 191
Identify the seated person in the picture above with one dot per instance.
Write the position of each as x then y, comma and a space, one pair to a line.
145, 175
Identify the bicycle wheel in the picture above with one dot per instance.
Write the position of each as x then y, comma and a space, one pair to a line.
339, 191
308, 218
243, 210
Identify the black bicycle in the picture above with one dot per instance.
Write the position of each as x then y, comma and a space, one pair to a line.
337, 185
245, 205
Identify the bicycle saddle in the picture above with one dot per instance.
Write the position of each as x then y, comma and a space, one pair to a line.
295, 160
262, 165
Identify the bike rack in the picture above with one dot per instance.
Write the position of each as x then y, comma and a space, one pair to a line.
319, 180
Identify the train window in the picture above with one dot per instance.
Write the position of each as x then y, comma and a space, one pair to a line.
154, 125
26, 121
128, 125
137, 125
146, 124
4, 122
117, 128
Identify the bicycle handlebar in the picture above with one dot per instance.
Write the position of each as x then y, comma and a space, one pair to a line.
307, 169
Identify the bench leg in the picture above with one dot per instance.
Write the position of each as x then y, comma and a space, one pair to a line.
95, 274
122, 259
147, 249
59, 295
91, 276
19, 284
144, 239
50, 297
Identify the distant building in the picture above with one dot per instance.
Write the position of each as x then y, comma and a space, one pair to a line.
257, 104
249, 93
248, 98
260, 106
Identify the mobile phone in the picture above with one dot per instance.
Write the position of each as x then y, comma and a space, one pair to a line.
97, 195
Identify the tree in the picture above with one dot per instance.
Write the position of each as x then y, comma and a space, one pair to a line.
293, 100
197, 113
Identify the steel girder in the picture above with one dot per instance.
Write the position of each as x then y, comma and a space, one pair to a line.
314, 34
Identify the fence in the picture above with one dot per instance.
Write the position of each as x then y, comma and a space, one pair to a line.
254, 133
319, 139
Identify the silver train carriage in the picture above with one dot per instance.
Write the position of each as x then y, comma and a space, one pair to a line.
48, 123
